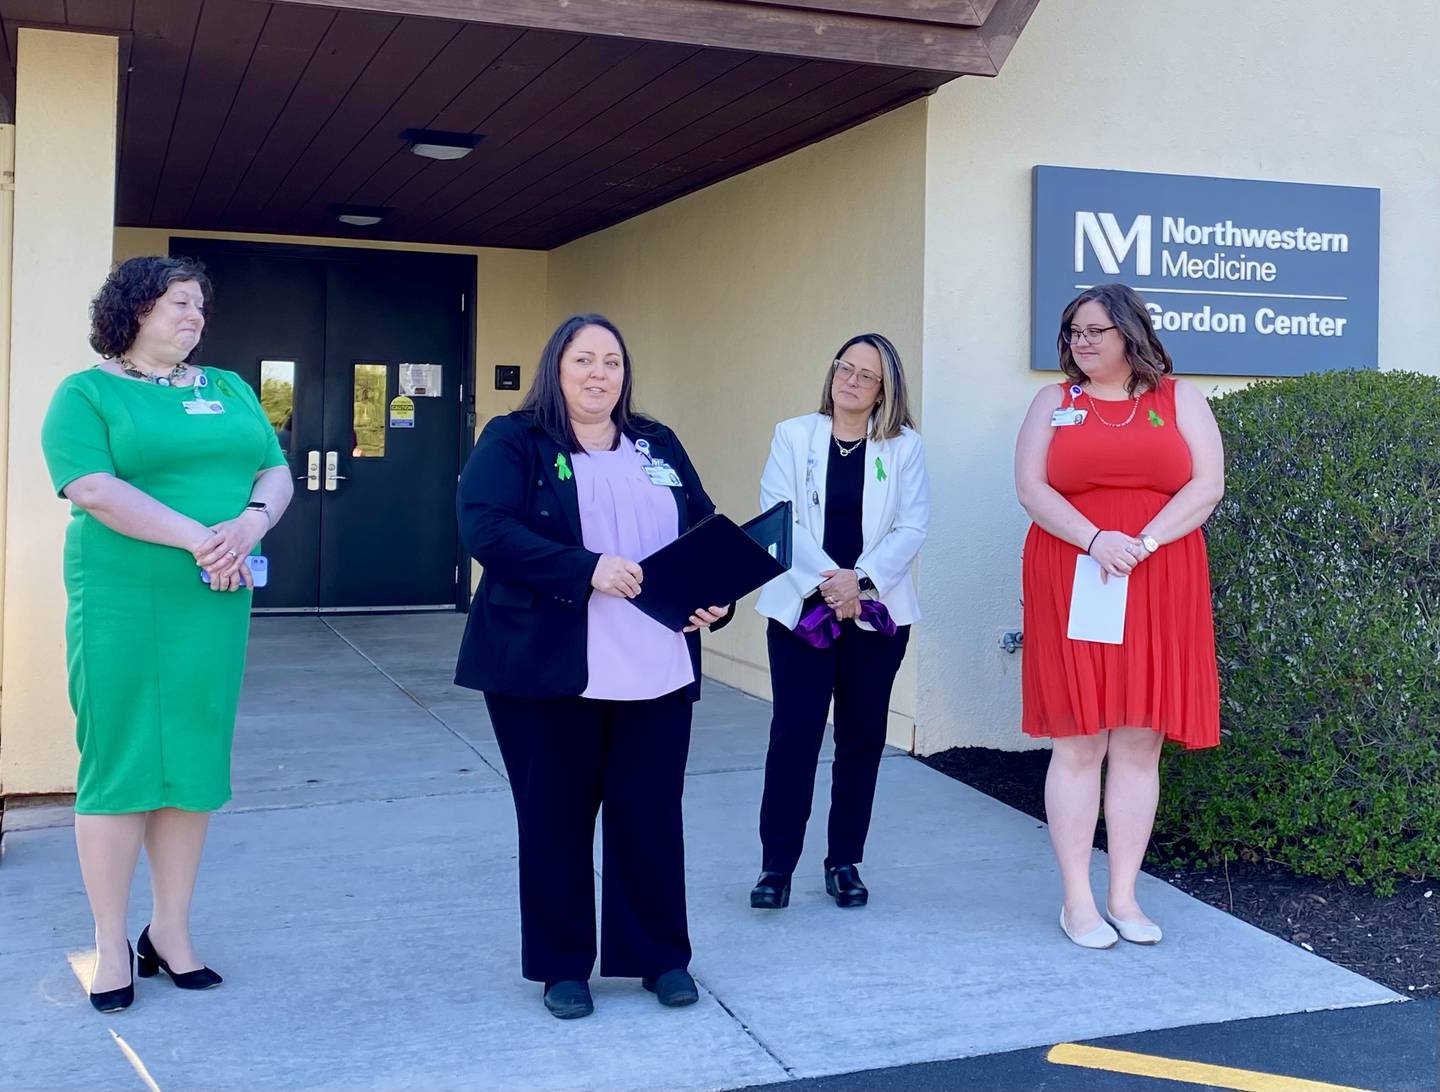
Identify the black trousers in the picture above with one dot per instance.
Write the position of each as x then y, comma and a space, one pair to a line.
859, 671
567, 759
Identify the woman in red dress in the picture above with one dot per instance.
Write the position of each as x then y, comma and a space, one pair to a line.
1122, 463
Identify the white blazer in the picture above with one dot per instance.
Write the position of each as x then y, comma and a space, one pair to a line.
895, 515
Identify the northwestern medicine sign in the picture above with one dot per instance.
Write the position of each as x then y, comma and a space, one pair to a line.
1240, 277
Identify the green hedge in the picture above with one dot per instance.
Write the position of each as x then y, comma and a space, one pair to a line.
1325, 562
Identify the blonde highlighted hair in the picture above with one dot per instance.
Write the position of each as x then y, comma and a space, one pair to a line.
892, 409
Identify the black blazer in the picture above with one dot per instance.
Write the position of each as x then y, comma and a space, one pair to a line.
526, 634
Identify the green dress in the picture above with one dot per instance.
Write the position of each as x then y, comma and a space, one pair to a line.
155, 657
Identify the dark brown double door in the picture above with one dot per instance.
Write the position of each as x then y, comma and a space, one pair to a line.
362, 361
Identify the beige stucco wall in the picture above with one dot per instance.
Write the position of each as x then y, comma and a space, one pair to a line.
7, 231
733, 300
64, 201
1301, 90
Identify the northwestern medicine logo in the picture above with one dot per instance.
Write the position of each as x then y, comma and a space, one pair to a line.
1221, 251
1241, 276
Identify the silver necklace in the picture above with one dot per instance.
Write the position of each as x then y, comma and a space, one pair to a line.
1135, 405
847, 450
176, 373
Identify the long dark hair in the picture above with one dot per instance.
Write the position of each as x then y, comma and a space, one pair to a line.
1148, 358
129, 294
546, 397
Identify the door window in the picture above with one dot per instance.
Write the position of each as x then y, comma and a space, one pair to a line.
368, 420
277, 398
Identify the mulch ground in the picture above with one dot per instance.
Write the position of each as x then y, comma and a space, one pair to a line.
1394, 940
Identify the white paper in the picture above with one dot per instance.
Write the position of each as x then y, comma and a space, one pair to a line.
420, 380
1097, 611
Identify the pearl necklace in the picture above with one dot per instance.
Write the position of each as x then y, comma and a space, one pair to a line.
176, 373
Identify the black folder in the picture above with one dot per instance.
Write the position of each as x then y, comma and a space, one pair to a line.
714, 563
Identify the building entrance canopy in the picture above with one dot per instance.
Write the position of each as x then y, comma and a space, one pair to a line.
280, 117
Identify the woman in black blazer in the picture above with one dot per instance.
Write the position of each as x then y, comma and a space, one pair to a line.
590, 699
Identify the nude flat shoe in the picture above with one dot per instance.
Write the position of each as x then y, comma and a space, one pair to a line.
1102, 936
1136, 932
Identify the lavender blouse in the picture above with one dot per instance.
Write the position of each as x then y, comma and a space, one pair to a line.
631, 656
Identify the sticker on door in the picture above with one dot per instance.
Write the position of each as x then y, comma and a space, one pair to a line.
402, 412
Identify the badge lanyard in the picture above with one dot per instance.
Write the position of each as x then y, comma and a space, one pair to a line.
1074, 415
657, 470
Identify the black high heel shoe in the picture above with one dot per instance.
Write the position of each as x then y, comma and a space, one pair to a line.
124, 997
842, 883
771, 892
150, 964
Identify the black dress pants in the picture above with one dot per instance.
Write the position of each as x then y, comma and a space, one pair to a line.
859, 670
567, 759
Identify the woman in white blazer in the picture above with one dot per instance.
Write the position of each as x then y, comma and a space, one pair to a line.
840, 618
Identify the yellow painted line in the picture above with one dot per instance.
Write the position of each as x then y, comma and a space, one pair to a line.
1178, 1069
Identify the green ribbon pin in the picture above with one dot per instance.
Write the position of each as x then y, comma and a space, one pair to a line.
1156, 419
880, 474
562, 467
224, 387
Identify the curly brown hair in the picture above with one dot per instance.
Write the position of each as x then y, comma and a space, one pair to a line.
1147, 357
129, 294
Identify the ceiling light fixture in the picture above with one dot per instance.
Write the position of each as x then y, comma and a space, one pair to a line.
439, 144
359, 215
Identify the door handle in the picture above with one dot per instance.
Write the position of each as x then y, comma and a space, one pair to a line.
311, 477
332, 475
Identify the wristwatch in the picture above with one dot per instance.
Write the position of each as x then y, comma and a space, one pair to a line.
866, 584
262, 507
1148, 541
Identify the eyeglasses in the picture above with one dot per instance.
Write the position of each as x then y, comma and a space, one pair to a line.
844, 369
1091, 335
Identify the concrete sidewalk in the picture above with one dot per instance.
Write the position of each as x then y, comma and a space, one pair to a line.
359, 895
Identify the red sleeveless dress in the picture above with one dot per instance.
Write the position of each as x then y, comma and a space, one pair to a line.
1164, 675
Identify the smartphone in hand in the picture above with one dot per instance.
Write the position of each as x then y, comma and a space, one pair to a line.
259, 570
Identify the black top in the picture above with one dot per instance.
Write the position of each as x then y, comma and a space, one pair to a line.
520, 518
844, 500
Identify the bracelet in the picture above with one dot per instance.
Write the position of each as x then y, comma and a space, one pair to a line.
1092, 541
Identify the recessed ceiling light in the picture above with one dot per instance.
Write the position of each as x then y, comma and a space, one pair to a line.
359, 215
439, 144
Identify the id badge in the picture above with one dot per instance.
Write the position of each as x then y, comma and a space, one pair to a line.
199, 405
259, 570
661, 474
1067, 415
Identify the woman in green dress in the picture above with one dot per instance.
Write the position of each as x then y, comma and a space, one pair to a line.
172, 471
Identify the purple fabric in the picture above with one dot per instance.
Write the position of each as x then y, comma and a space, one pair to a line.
820, 628
631, 656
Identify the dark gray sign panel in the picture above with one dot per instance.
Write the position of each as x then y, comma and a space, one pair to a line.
1241, 277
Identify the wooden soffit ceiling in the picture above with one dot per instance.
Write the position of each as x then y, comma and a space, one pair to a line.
265, 115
